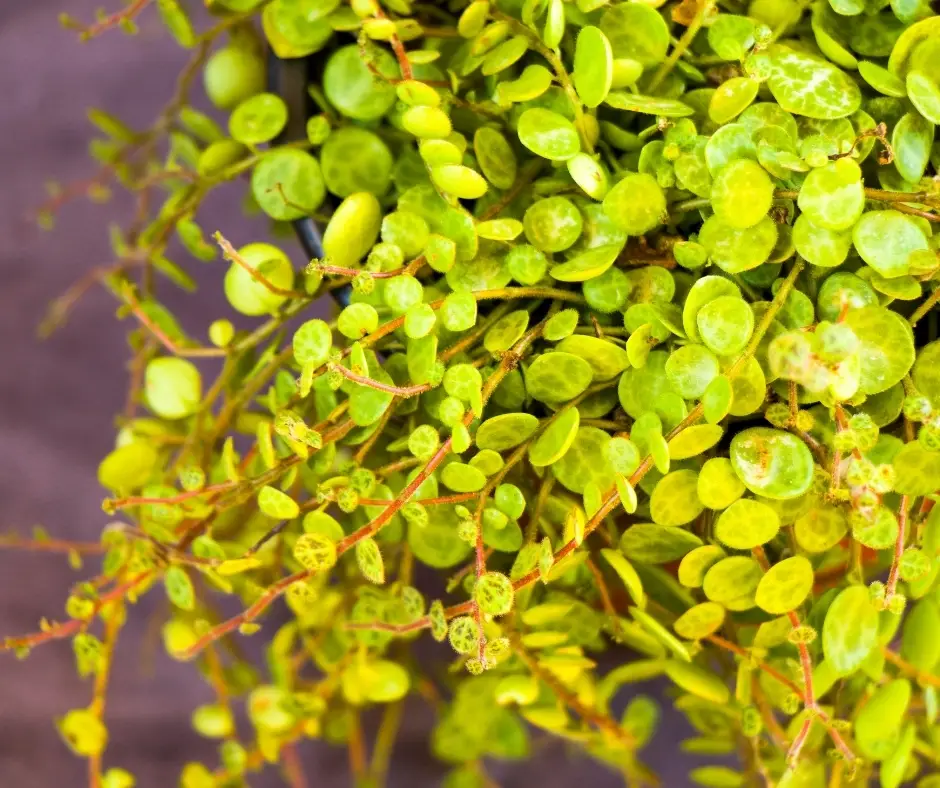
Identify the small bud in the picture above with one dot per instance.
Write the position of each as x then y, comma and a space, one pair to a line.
896, 604
792, 703
802, 634
859, 472
884, 478
363, 283
347, 499
929, 436
475, 666
415, 514
221, 333
844, 441
917, 408
334, 379
778, 414
751, 722
805, 421
467, 530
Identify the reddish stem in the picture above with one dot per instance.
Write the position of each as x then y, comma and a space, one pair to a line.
398, 391
163, 337
113, 20
398, 48
71, 627
793, 755
894, 575
229, 253
50, 545
443, 499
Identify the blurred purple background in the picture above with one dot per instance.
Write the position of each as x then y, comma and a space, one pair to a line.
59, 398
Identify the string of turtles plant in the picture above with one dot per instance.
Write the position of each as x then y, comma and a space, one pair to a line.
640, 355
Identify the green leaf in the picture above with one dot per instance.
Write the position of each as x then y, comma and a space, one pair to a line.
179, 588
637, 32
733, 581
700, 621
583, 463
850, 630
746, 524
593, 66
772, 463
693, 441
650, 543
369, 559
675, 499
832, 196
698, 681
172, 387
627, 575
463, 634
886, 240
636, 203
548, 134
276, 504
556, 439
287, 184
493, 592
808, 85
786, 585
506, 431
587, 265
887, 345
315, 552
461, 477
821, 528
920, 640
83, 732
878, 724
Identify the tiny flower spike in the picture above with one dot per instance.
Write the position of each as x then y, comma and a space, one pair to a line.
637, 351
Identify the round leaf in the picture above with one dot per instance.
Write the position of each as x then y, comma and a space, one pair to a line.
785, 586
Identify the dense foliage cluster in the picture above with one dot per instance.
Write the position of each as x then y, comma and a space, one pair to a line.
638, 352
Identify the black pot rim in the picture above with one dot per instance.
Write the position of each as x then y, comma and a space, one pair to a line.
288, 79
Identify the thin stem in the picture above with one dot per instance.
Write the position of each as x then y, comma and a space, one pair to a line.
14, 542
357, 749
704, 6
604, 592
895, 573
509, 362
388, 388
561, 74
69, 628
925, 307
249, 614
339, 270
293, 767
525, 177
589, 715
793, 754
124, 16
99, 694
770, 670
385, 742
397, 47
877, 195
906, 667
230, 254
164, 339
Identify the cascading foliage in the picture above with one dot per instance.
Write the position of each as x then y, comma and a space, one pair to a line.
640, 355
